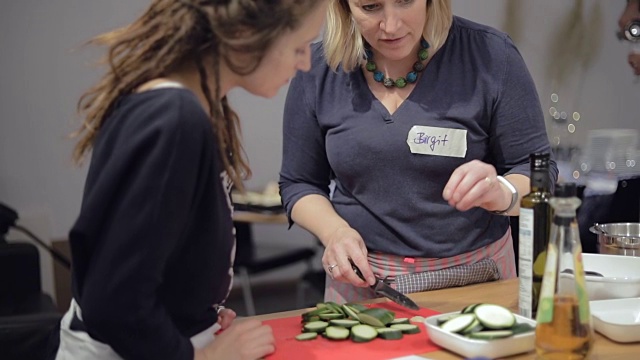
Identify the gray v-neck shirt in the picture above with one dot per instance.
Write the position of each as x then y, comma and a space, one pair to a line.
475, 100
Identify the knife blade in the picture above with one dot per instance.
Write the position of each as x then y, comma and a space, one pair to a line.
382, 288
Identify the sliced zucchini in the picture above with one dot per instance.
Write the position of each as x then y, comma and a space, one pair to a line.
522, 328
490, 334
475, 326
389, 333
317, 311
443, 319
494, 317
458, 323
307, 336
310, 319
335, 307
469, 308
363, 333
399, 321
331, 316
376, 317
350, 312
336, 333
355, 321
345, 323
315, 326
357, 307
406, 328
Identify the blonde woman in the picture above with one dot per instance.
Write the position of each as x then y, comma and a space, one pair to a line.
425, 122
153, 246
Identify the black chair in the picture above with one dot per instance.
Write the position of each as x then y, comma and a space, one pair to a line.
27, 315
247, 264
315, 280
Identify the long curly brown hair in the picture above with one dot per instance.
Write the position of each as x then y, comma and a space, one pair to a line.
173, 32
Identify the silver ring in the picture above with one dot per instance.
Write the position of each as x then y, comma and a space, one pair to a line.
330, 267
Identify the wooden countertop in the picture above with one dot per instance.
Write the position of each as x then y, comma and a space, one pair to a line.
504, 293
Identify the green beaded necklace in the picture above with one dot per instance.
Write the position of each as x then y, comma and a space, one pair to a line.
412, 76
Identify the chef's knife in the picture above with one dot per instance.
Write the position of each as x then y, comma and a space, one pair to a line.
382, 288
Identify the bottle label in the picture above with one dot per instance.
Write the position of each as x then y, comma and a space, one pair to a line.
545, 307
525, 262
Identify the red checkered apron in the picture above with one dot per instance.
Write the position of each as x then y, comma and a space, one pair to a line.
492, 262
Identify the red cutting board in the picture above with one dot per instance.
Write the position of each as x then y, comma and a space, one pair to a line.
287, 347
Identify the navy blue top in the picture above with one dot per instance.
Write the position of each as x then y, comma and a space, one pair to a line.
152, 246
334, 127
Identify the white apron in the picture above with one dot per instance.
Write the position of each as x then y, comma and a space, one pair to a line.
78, 345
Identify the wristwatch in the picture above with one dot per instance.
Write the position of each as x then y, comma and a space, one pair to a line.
514, 195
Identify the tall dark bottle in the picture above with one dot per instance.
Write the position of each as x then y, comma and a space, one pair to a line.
534, 225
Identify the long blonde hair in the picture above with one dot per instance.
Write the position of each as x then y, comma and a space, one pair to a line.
344, 45
172, 32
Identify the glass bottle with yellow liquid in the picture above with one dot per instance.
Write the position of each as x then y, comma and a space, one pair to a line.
564, 328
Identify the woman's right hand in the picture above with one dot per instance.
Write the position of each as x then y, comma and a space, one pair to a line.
316, 214
344, 244
243, 340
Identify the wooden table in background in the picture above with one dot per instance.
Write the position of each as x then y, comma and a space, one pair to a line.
260, 218
504, 293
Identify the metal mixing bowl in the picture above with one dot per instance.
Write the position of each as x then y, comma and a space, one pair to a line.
618, 238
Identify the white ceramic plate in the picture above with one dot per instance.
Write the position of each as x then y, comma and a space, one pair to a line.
617, 319
496, 348
621, 276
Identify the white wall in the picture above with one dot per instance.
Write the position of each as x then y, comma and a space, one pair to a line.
605, 92
43, 71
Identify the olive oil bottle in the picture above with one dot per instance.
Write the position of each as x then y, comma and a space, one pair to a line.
564, 328
534, 225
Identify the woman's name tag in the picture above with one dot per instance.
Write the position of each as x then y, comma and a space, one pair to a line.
428, 140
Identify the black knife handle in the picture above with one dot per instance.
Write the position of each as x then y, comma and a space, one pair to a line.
356, 270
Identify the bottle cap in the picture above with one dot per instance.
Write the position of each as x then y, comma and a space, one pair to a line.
539, 160
565, 190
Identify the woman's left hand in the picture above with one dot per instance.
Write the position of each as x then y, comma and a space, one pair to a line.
226, 317
474, 184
